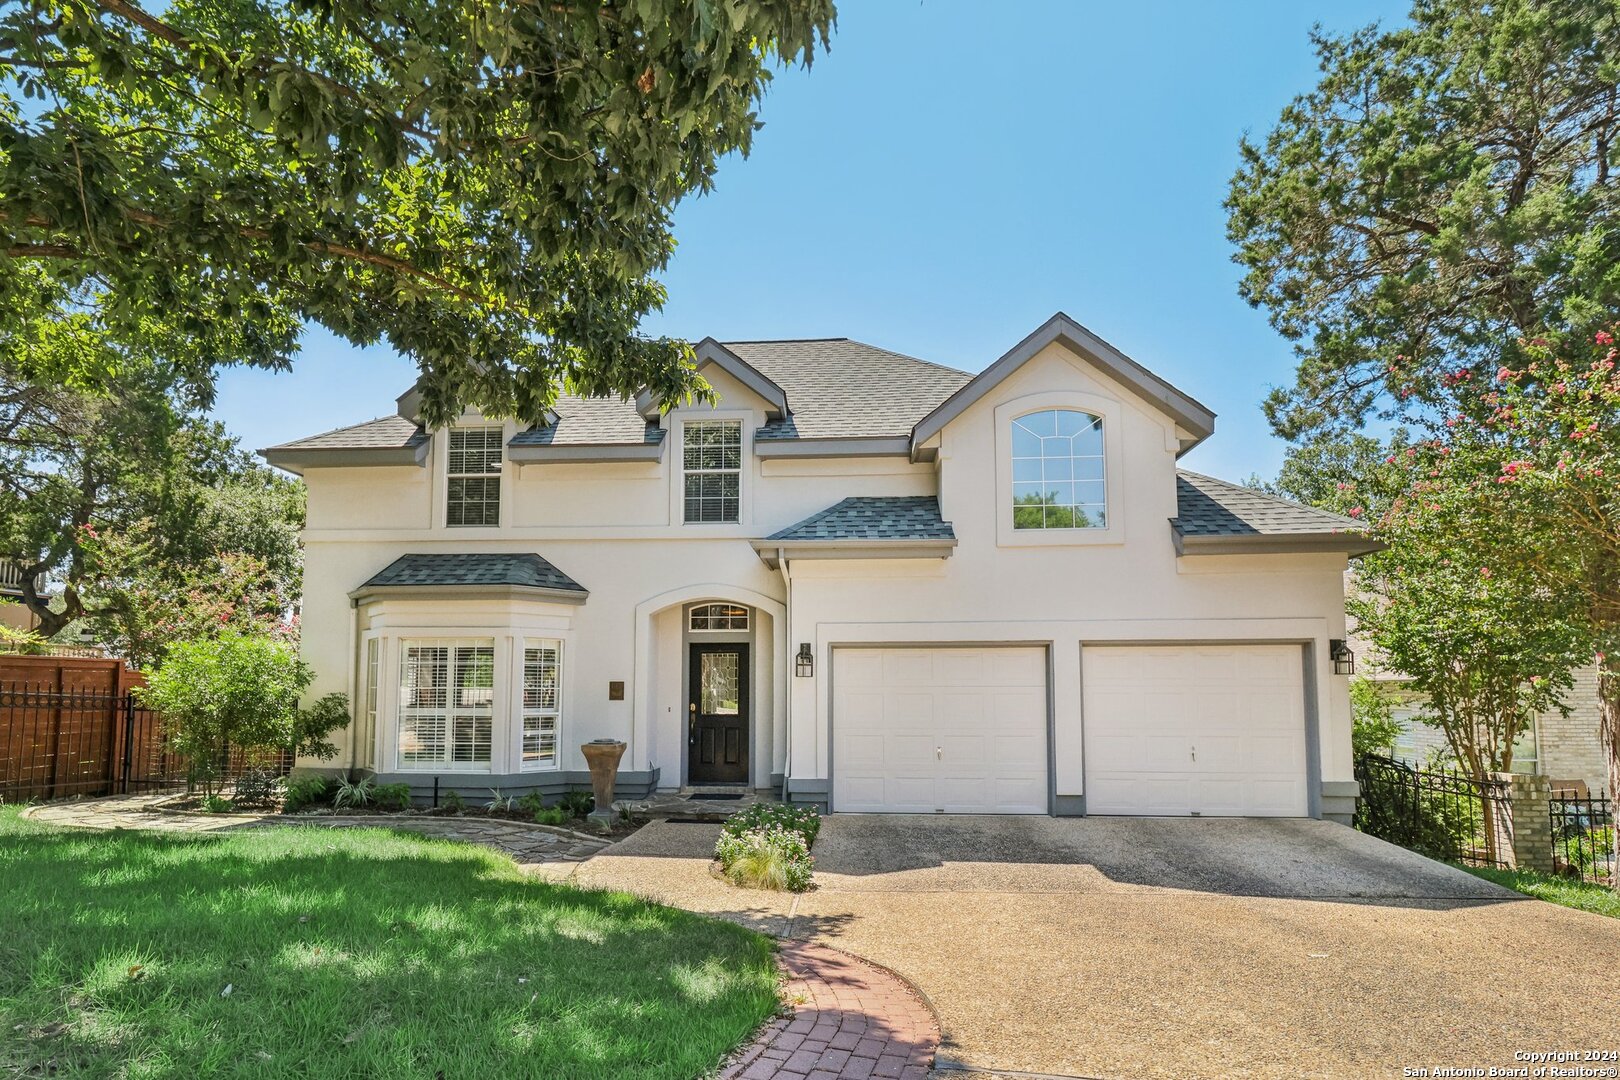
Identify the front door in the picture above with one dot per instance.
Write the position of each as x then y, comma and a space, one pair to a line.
717, 715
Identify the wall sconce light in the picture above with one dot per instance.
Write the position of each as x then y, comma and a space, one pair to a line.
1344, 661
804, 665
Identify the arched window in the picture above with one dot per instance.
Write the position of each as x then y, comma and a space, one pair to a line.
1058, 479
719, 617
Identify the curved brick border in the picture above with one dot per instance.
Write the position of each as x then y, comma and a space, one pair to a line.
850, 1019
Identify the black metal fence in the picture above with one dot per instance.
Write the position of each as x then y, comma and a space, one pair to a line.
1442, 814
58, 743
1583, 838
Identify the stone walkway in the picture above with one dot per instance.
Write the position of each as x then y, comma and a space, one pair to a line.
850, 1020
530, 845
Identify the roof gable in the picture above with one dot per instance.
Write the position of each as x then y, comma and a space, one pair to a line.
1188, 413
710, 351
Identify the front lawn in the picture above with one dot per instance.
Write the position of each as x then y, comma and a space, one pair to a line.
1582, 895
304, 951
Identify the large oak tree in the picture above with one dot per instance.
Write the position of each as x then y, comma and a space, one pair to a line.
487, 186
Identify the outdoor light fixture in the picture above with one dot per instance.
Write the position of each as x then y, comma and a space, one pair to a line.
804, 665
1344, 661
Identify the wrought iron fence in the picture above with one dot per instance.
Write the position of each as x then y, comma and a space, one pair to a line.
1442, 814
56, 743
1583, 838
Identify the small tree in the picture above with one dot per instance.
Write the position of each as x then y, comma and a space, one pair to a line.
240, 691
1374, 728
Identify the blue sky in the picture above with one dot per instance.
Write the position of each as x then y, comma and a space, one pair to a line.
951, 174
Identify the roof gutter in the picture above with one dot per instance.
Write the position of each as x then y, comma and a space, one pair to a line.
1349, 543
772, 552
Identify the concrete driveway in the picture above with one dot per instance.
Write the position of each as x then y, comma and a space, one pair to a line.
1110, 947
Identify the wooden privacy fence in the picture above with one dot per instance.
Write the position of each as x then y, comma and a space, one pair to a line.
75, 726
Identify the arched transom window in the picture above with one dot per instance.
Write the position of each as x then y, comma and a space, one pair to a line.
1058, 475
719, 617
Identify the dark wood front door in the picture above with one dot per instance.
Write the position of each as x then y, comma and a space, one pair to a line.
717, 715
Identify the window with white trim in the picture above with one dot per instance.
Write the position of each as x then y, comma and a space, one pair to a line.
712, 467
473, 477
718, 617
1058, 471
446, 704
542, 703
373, 674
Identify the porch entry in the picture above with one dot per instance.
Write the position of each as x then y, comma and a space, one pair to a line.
717, 714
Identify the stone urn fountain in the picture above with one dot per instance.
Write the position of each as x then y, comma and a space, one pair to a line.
602, 756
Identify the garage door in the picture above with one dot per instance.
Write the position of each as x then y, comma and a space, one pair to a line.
1207, 729
939, 730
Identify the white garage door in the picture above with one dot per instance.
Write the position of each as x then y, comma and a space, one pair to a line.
1194, 729
939, 730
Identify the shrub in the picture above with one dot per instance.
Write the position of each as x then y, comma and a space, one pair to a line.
452, 802
217, 804
552, 815
255, 787
577, 803
354, 794
803, 820
239, 691
391, 796
307, 791
531, 803
765, 858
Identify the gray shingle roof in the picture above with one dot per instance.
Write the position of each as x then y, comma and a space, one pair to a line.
522, 569
838, 388
882, 517
591, 422
385, 432
1209, 507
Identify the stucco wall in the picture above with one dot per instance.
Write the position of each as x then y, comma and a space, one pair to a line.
616, 529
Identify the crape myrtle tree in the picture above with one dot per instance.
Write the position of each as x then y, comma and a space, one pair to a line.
1438, 211
485, 186
147, 523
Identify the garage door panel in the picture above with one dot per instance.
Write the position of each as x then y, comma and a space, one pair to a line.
1205, 729
960, 730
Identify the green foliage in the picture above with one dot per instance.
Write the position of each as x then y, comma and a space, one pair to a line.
765, 858
391, 797
530, 803
255, 788
148, 521
1446, 189
14, 640
498, 802
488, 188
1374, 728
307, 791
335, 941
804, 820
577, 803
552, 815
354, 794
1392, 807
1580, 895
239, 691
452, 802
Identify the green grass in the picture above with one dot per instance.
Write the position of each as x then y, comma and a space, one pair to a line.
1581, 895
353, 953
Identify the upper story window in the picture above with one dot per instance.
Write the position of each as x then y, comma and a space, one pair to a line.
473, 494
712, 466
1058, 471
719, 617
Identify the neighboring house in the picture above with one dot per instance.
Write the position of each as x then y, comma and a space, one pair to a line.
13, 612
877, 583
1556, 746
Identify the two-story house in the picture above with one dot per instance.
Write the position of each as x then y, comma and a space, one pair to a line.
869, 581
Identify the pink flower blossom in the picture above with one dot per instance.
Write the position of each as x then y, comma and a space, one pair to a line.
1603, 337
1485, 572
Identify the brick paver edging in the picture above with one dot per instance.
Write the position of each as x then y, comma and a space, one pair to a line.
850, 1019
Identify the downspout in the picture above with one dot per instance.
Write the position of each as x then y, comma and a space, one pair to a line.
355, 702
787, 633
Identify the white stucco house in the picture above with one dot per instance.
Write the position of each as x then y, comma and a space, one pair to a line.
869, 581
